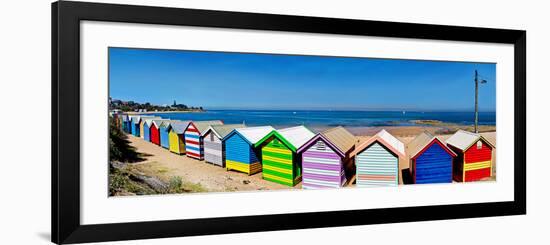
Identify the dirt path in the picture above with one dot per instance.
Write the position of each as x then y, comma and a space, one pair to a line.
165, 164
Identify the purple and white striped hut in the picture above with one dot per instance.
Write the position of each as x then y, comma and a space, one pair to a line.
326, 159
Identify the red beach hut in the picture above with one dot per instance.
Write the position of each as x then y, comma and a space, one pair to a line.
155, 132
474, 159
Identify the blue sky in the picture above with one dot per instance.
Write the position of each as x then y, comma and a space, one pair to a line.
220, 80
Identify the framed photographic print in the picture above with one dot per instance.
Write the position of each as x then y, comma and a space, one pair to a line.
176, 122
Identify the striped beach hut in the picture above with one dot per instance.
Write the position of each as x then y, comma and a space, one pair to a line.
214, 149
134, 125
377, 160
176, 139
194, 146
147, 123
281, 162
326, 159
431, 161
164, 130
240, 151
154, 130
474, 160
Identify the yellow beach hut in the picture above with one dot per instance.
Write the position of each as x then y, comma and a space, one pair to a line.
176, 139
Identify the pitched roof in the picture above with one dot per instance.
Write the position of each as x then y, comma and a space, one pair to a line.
340, 138
297, 136
149, 121
179, 126
134, 118
159, 122
124, 117
464, 139
143, 118
252, 134
385, 139
222, 130
202, 126
421, 141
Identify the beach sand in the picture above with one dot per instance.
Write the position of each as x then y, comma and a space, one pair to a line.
163, 164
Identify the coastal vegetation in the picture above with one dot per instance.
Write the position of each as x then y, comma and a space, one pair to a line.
132, 106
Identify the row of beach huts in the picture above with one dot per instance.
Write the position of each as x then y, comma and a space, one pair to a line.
328, 159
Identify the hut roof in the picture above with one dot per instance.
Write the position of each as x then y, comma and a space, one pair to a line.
297, 136
340, 138
149, 121
421, 141
293, 137
202, 126
159, 122
133, 118
252, 134
179, 126
385, 139
222, 130
464, 139
124, 117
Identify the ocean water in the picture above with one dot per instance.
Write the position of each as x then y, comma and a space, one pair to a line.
321, 119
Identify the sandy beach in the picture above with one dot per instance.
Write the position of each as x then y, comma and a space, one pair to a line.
205, 177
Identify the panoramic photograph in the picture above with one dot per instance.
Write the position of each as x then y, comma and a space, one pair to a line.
184, 122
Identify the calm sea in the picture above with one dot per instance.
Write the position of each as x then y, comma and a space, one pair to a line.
285, 118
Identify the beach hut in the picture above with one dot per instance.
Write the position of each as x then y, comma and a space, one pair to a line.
194, 146
154, 130
240, 151
214, 149
474, 160
431, 161
176, 139
142, 126
124, 123
134, 125
164, 130
147, 123
377, 160
281, 162
326, 159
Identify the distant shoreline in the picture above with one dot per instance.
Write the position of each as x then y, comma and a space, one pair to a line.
159, 112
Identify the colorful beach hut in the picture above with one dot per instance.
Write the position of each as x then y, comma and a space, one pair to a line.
124, 123
377, 160
281, 162
240, 151
154, 130
142, 121
164, 130
194, 146
134, 125
474, 160
176, 138
214, 149
431, 161
326, 159
147, 123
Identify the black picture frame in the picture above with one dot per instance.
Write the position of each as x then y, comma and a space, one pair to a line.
66, 17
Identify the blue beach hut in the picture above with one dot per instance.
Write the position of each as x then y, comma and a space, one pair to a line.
431, 161
134, 125
164, 129
240, 152
147, 127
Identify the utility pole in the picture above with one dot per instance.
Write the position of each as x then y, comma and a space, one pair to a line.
475, 119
